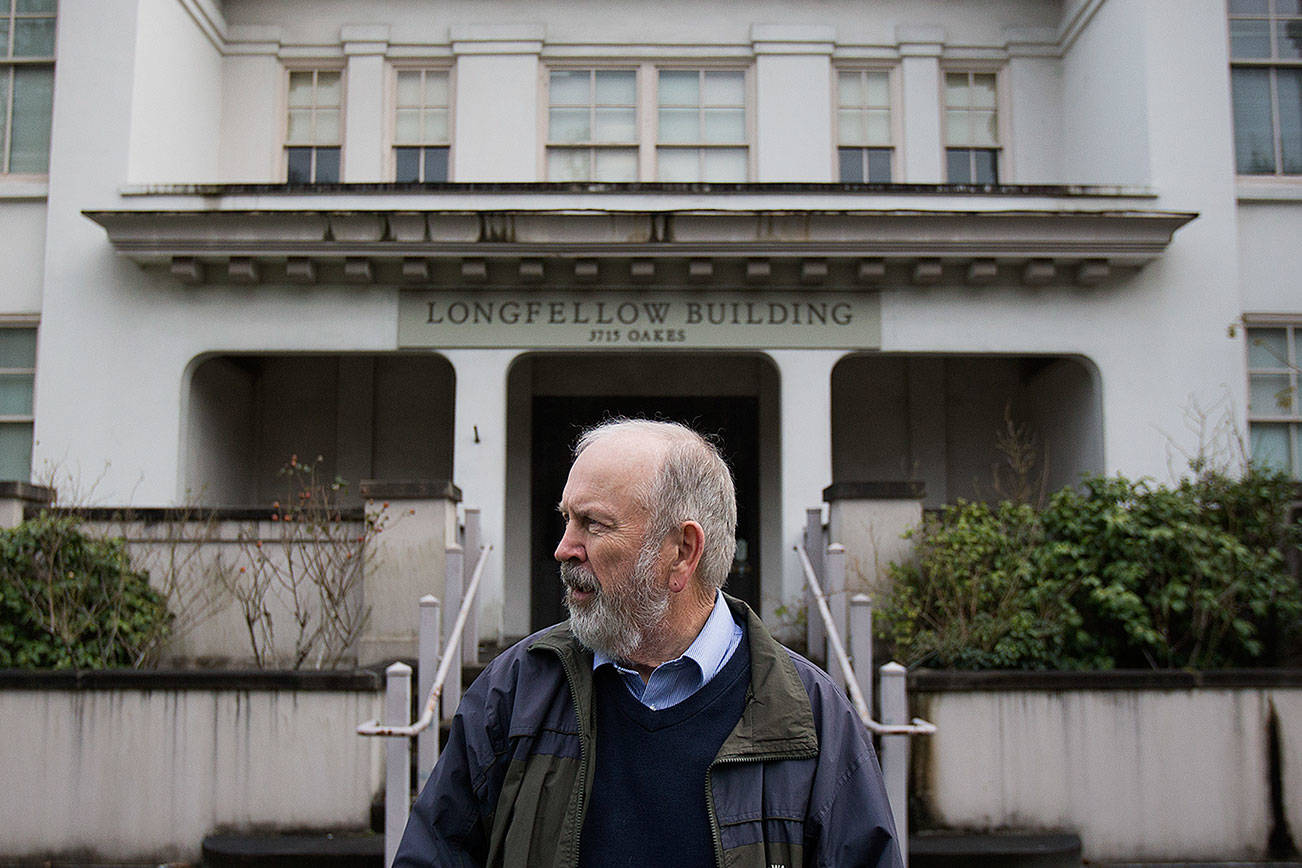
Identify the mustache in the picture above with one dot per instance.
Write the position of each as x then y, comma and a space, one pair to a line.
579, 578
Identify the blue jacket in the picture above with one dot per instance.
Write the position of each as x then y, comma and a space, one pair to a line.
796, 783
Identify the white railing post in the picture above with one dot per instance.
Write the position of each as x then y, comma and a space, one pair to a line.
428, 642
861, 644
895, 750
470, 557
834, 591
815, 632
452, 593
397, 758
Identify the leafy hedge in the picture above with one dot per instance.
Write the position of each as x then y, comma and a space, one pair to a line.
68, 599
1118, 574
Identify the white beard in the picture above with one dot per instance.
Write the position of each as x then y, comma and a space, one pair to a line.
617, 622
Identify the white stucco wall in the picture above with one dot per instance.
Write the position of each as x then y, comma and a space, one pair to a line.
176, 100
1104, 98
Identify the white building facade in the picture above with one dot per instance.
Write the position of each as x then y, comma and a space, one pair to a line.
428, 241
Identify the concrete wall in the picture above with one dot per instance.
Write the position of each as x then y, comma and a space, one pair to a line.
1141, 774
136, 766
207, 564
144, 772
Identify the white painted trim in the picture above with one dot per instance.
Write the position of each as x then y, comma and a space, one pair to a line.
1276, 189
18, 187
1075, 22
209, 18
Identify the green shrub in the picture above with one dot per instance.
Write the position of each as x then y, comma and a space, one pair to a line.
973, 598
68, 599
1120, 573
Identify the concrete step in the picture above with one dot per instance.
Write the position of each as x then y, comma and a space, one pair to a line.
943, 849
321, 850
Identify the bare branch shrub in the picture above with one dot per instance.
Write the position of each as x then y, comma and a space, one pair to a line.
306, 571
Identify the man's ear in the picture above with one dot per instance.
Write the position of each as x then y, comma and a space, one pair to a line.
686, 556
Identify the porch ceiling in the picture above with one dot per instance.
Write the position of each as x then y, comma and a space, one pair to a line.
816, 248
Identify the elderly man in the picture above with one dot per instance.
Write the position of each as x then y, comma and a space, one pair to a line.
661, 725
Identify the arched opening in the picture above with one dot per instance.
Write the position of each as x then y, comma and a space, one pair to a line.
942, 419
382, 416
552, 397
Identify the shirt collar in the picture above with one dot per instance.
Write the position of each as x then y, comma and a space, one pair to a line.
708, 650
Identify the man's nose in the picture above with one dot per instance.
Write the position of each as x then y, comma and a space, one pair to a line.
569, 548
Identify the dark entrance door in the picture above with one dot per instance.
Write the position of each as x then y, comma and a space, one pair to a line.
557, 423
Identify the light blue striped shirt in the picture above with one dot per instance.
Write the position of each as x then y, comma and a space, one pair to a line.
677, 679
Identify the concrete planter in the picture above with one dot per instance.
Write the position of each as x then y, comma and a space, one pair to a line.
1142, 765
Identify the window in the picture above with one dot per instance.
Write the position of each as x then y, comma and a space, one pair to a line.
863, 126
1266, 85
17, 376
647, 123
701, 125
971, 128
315, 127
592, 129
1274, 414
421, 128
26, 85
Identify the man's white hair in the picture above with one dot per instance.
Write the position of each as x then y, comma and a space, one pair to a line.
693, 483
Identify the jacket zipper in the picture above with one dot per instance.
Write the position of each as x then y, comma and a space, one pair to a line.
583, 756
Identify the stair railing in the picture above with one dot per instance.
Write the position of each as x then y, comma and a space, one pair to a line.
856, 677
442, 689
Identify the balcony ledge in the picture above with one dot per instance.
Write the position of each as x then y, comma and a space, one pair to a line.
823, 236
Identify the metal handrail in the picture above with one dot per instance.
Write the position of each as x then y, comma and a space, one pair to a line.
917, 727
451, 652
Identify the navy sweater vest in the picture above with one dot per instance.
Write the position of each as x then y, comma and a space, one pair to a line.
648, 805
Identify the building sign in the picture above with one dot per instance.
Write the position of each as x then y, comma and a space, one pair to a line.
657, 320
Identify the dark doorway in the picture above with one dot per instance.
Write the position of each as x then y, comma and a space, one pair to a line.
733, 423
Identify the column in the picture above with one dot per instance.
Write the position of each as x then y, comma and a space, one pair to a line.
793, 66
496, 102
920, 91
806, 432
1031, 127
364, 46
407, 561
870, 518
16, 497
479, 464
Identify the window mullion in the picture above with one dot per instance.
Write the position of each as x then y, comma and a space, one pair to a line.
1277, 145
7, 140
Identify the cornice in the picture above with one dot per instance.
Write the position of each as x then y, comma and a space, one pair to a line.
820, 236
849, 247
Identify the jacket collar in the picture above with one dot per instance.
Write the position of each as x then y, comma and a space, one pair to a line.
777, 720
